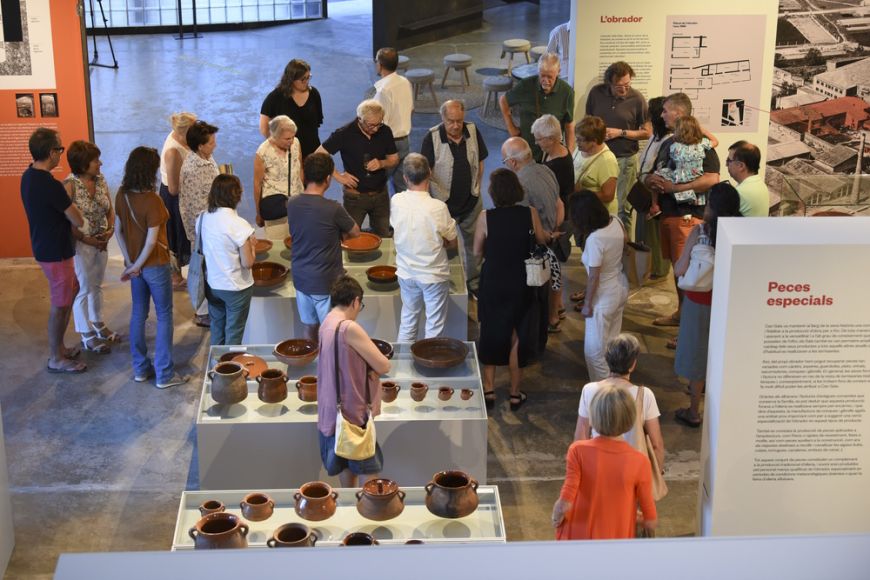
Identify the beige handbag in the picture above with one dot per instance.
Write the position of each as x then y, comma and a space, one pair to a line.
659, 487
351, 441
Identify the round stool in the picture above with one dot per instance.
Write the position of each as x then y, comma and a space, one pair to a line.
492, 86
403, 62
536, 52
421, 77
513, 46
460, 62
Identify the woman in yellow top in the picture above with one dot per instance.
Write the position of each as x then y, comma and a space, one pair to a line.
595, 165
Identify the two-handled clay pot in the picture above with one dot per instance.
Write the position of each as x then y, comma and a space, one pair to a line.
273, 386
389, 391
218, 531
211, 506
229, 382
451, 494
315, 501
380, 500
292, 536
359, 539
307, 389
257, 507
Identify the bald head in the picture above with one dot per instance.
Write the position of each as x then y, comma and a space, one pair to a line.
517, 152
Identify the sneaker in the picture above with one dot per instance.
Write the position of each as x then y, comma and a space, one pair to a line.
173, 381
144, 377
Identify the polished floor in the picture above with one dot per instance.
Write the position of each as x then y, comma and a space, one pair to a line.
97, 462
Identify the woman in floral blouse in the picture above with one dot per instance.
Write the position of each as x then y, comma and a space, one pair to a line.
277, 172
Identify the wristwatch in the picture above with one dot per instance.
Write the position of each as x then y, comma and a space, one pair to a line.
624, 133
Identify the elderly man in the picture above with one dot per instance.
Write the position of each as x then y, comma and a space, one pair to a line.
625, 113
538, 95
455, 151
742, 163
367, 150
678, 219
423, 230
394, 93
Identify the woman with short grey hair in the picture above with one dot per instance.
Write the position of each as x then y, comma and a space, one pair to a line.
277, 176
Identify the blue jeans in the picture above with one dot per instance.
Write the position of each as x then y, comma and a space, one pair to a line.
313, 308
417, 296
153, 282
228, 310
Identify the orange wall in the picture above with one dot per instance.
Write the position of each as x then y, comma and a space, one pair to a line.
70, 71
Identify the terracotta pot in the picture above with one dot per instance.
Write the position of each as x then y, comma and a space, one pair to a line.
315, 501
273, 386
444, 393
307, 388
451, 494
413, 542
466, 394
380, 500
219, 530
418, 391
211, 506
229, 383
359, 539
292, 536
257, 507
389, 391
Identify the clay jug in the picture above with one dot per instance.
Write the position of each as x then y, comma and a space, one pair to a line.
257, 507
211, 506
359, 539
307, 388
418, 391
444, 393
292, 536
315, 501
451, 494
273, 386
219, 531
466, 394
389, 391
229, 383
380, 500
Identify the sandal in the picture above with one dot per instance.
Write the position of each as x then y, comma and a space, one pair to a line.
553, 328
72, 352
578, 307
682, 416
562, 314
203, 321
66, 367
671, 344
518, 400
489, 399
579, 296
94, 343
103, 332
670, 320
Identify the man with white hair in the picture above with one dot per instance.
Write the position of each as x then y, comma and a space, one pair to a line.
538, 95
367, 150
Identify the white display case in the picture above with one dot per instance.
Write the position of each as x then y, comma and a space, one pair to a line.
415, 522
256, 445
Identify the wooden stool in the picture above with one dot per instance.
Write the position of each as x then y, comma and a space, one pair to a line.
460, 62
403, 63
421, 77
536, 52
513, 46
492, 86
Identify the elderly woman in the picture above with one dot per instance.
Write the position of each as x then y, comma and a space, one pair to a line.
173, 154
595, 165
87, 189
277, 175
502, 238
621, 357
603, 239
197, 174
691, 360
295, 97
228, 247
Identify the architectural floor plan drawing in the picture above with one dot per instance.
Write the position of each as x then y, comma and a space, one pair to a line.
704, 77
687, 46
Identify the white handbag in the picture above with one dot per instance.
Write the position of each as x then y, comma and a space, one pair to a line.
537, 270
699, 275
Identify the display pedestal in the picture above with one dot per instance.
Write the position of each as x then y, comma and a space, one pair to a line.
7, 525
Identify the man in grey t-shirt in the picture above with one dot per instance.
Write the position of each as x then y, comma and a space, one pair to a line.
317, 226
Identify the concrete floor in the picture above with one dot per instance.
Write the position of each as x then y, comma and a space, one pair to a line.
97, 462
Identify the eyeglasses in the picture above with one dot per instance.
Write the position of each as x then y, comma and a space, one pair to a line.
729, 161
362, 305
506, 159
59, 149
371, 126
622, 86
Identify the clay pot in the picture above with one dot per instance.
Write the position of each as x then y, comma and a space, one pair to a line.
257, 507
389, 391
451, 494
219, 531
211, 506
418, 391
466, 394
292, 536
359, 539
315, 501
273, 386
413, 542
229, 383
307, 388
380, 500
444, 393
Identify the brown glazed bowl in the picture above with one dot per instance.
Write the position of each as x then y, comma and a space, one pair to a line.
288, 242
439, 353
262, 246
382, 274
366, 242
269, 273
385, 347
296, 352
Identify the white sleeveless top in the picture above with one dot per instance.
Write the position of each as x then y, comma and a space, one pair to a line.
169, 144
277, 167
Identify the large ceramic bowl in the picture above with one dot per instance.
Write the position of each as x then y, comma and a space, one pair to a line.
366, 242
385, 347
262, 246
382, 274
269, 273
439, 353
296, 352
288, 242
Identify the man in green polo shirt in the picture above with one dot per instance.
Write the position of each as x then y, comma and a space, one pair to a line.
538, 95
743, 162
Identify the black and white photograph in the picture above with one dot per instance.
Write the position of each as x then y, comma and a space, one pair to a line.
48, 105
24, 105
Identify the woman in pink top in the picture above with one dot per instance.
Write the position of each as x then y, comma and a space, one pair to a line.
606, 478
360, 365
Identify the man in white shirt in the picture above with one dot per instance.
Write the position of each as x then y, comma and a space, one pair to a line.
743, 162
423, 231
394, 93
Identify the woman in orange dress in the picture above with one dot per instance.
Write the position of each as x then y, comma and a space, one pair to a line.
606, 478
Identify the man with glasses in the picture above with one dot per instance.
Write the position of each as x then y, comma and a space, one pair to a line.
625, 113
538, 95
394, 92
743, 162
367, 150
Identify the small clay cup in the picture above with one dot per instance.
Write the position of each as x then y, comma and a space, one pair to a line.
359, 539
418, 391
389, 391
307, 389
257, 507
211, 506
413, 542
444, 393
466, 394
292, 536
